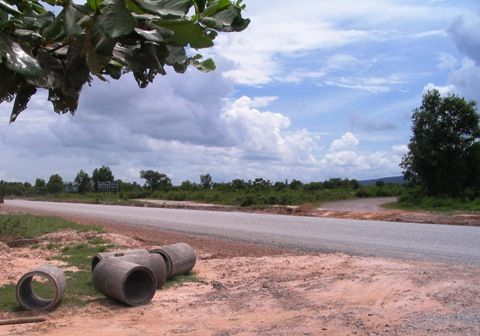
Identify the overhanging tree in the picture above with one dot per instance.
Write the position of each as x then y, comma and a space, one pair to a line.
444, 150
59, 45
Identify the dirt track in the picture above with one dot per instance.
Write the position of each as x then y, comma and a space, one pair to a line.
247, 289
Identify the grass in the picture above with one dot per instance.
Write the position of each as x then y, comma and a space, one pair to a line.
180, 280
415, 200
28, 226
80, 290
89, 198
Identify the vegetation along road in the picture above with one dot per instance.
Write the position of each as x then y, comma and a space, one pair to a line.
374, 238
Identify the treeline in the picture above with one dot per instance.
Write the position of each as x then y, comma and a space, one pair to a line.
257, 192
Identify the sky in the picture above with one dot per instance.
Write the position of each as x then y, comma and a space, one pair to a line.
311, 90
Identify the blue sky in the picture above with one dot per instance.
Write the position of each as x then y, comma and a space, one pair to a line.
310, 91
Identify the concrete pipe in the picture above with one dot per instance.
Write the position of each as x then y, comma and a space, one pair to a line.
124, 281
180, 258
30, 300
154, 262
100, 256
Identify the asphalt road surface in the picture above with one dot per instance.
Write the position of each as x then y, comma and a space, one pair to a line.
457, 244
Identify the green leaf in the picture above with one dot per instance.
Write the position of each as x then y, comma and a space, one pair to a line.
117, 21
39, 21
27, 34
206, 66
114, 71
9, 9
166, 8
18, 60
21, 100
103, 44
95, 62
55, 30
200, 4
176, 55
216, 6
8, 84
95, 5
189, 32
150, 35
71, 21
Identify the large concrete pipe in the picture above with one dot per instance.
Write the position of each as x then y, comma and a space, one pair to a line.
124, 281
30, 300
100, 256
180, 258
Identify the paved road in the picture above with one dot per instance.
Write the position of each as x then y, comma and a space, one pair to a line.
385, 239
359, 204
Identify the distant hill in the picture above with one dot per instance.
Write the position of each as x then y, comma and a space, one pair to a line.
391, 179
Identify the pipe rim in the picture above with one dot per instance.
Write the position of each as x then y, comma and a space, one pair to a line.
148, 294
24, 288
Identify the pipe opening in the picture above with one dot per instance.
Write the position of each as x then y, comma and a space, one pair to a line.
166, 258
139, 287
95, 261
37, 292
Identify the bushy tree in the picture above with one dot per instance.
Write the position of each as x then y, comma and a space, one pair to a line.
187, 185
55, 184
444, 154
155, 180
102, 174
84, 182
40, 186
206, 181
62, 46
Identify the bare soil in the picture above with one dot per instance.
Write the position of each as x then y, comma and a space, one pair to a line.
368, 208
248, 289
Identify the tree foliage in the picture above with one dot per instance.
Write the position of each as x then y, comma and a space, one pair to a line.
155, 180
444, 150
62, 49
206, 181
84, 182
55, 184
102, 174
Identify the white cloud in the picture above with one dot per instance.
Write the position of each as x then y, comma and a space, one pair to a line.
347, 141
444, 90
280, 29
370, 84
259, 102
266, 134
400, 149
447, 62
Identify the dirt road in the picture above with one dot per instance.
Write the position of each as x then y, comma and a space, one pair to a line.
359, 204
245, 290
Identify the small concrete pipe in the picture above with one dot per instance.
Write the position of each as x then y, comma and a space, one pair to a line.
124, 281
27, 297
100, 256
180, 258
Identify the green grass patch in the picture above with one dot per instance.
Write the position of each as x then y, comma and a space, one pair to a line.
80, 289
29, 226
8, 301
180, 280
415, 200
